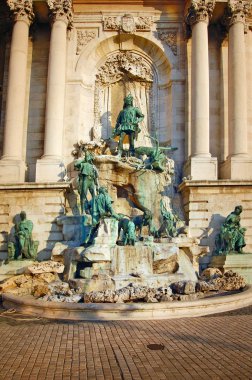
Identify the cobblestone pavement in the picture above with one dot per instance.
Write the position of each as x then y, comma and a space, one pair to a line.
213, 347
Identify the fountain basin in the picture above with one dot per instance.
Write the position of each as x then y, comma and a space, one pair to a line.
129, 311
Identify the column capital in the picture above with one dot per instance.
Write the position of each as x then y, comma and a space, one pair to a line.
61, 10
22, 10
200, 10
236, 11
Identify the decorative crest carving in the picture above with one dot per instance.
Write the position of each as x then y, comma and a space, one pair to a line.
61, 10
119, 64
200, 10
22, 9
83, 38
170, 38
127, 23
236, 11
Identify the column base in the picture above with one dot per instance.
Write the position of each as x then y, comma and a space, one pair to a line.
49, 170
238, 168
201, 168
12, 171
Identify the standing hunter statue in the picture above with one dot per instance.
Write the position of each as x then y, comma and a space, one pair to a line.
127, 124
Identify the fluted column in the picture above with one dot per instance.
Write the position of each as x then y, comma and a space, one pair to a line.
49, 168
201, 165
12, 165
239, 164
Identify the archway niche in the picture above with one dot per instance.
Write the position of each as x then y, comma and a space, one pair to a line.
141, 69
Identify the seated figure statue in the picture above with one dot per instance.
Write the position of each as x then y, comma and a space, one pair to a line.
24, 247
100, 207
231, 236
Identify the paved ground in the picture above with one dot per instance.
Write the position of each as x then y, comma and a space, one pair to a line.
214, 347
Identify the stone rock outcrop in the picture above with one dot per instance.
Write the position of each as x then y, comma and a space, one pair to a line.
28, 284
46, 267
169, 265
184, 287
129, 294
210, 273
227, 282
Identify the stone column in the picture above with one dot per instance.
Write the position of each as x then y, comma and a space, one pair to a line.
49, 167
200, 165
239, 164
12, 165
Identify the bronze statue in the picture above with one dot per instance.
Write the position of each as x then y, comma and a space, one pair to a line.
88, 179
24, 247
127, 124
100, 207
168, 226
129, 231
231, 236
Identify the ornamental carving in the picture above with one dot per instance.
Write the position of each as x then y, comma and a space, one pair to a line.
83, 38
119, 64
170, 38
22, 9
127, 23
61, 10
200, 10
236, 11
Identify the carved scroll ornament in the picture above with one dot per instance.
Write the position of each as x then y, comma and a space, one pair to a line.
170, 38
22, 9
120, 63
127, 23
83, 38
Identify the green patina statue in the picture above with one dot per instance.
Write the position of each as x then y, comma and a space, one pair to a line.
127, 124
129, 231
24, 247
169, 225
88, 179
231, 236
100, 207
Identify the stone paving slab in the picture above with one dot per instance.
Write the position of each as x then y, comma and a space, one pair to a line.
211, 347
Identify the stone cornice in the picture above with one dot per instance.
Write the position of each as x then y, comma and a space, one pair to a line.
61, 10
22, 10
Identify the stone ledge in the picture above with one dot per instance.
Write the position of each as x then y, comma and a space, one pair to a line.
35, 185
139, 311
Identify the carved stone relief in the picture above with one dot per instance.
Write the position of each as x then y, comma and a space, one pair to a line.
127, 23
236, 11
83, 38
199, 11
170, 38
124, 62
61, 10
22, 9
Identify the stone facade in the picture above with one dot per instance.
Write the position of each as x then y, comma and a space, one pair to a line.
66, 65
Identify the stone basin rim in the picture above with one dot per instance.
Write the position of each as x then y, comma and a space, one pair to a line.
135, 311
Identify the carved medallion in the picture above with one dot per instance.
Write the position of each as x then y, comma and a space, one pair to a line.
128, 24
